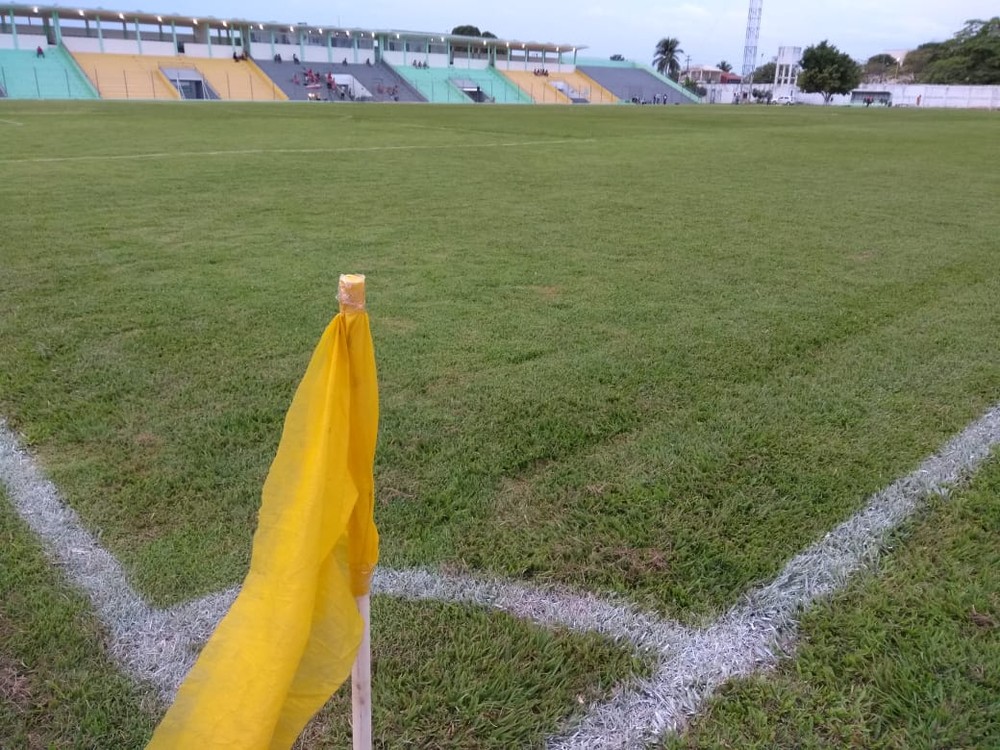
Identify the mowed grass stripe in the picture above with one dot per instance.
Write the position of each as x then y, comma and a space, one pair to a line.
658, 362
683, 508
905, 657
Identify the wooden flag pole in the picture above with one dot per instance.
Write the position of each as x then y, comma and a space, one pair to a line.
351, 294
361, 682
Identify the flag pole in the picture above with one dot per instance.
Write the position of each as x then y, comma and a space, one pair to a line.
361, 682
351, 294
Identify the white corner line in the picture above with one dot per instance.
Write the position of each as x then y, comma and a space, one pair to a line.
160, 645
759, 629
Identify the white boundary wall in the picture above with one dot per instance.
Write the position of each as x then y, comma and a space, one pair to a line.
27, 42
903, 95
216, 51
160, 49
120, 46
964, 97
433, 59
401, 59
525, 65
90, 44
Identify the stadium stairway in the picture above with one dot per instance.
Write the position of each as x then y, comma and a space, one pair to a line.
238, 81
631, 82
537, 87
561, 88
376, 82
148, 77
24, 75
127, 76
457, 85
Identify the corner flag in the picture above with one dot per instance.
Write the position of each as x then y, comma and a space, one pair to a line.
290, 638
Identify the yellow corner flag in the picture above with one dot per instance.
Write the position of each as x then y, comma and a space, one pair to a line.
290, 638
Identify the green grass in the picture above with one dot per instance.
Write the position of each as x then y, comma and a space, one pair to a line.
58, 687
907, 659
446, 675
657, 357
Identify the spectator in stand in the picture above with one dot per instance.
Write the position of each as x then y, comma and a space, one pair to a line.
39, 52
330, 82
277, 58
295, 59
236, 57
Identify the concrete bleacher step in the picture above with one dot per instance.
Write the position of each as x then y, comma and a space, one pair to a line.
568, 87
24, 75
637, 84
461, 85
377, 82
151, 77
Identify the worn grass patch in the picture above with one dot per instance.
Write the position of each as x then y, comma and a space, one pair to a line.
58, 688
907, 657
656, 356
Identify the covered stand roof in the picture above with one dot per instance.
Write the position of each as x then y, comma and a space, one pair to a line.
213, 22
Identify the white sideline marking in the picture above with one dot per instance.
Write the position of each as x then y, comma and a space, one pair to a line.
13, 122
263, 151
160, 645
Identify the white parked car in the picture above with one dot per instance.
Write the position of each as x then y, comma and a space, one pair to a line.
784, 100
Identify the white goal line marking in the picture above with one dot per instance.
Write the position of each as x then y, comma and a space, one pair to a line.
292, 151
160, 645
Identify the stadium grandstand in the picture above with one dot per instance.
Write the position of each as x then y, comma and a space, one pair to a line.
52, 52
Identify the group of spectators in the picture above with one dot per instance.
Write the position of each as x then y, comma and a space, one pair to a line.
419, 64
241, 55
313, 79
870, 100
296, 61
657, 99
541, 72
391, 91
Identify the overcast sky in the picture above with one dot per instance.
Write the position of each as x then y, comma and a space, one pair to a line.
709, 30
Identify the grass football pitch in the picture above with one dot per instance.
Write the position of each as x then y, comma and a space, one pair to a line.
650, 352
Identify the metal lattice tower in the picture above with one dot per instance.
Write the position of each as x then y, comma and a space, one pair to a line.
750, 46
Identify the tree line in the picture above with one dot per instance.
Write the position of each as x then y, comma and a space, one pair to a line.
970, 57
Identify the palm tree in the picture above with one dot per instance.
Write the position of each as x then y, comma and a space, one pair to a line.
724, 67
667, 58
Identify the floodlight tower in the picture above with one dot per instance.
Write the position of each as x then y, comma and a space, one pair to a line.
750, 46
